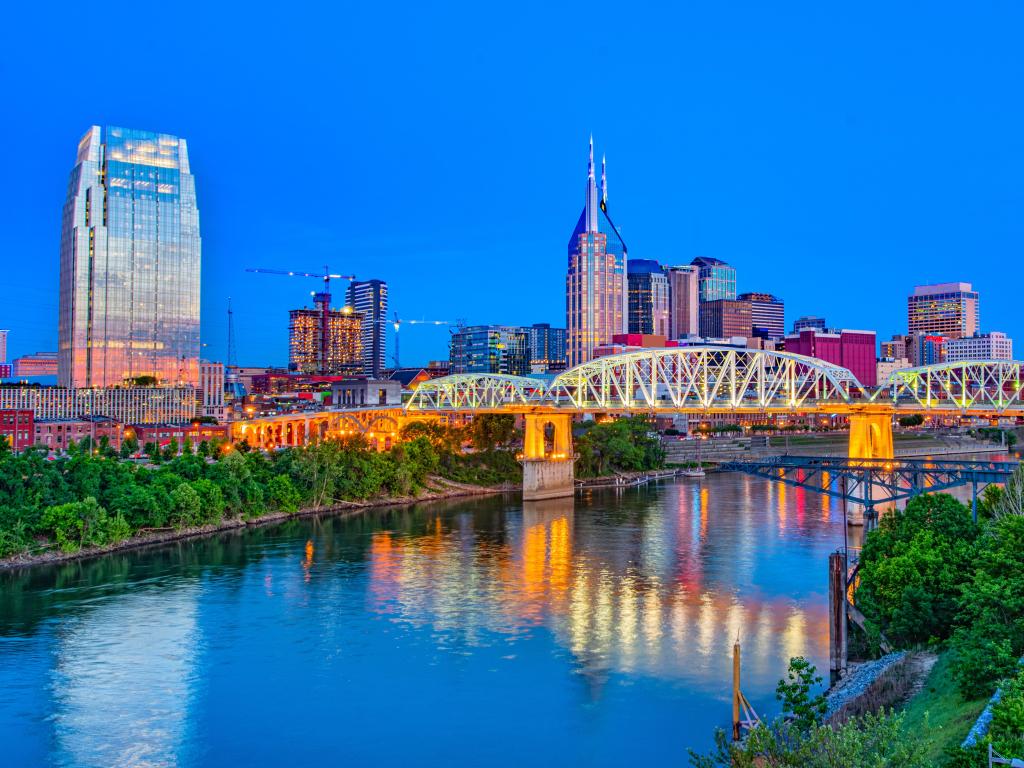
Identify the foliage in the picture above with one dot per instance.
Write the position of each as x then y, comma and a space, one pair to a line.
620, 445
795, 694
490, 430
82, 523
913, 567
911, 420
1011, 499
282, 494
990, 635
872, 741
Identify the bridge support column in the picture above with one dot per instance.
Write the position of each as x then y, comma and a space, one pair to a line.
547, 474
871, 435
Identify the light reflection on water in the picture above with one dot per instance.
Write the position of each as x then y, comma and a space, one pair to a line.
592, 631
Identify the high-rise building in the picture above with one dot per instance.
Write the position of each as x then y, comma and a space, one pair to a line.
325, 341
370, 299
3, 346
853, 350
944, 309
725, 318
980, 346
648, 305
767, 315
595, 284
683, 300
547, 348
715, 279
809, 323
210, 395
491, 349
926, 348
129, 262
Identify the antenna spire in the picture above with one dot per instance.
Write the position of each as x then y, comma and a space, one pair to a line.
590, 162
604, 183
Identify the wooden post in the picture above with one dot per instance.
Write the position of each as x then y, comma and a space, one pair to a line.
837, 615
736, 691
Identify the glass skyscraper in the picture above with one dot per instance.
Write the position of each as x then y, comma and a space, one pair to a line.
595, 285
129, 262
715, 279
648, 298
370, 299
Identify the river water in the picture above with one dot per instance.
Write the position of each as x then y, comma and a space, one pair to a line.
596, 631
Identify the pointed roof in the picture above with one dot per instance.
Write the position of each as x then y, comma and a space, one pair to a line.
595, 217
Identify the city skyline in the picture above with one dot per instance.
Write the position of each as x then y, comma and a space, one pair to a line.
878, 221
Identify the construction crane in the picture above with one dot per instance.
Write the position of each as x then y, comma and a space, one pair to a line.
398, 322
322, 301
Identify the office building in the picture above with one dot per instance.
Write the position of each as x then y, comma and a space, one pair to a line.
129, 262
715, 279
926, 348
945, 309
5, 370
210, 395
887, 366
853, 350
648, 303
980, 346
547, 348
39, 364
683, 301
128, 405
723, 318
3, 345
767, 315
370, 299
595, 284
809, 323
491, 349
895, 348
325, 341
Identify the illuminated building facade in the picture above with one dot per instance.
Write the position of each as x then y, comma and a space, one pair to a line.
491, 349
725, 318
210, 397
370, 299
767, 315
128, 405
17, 428
648, 304
715, 279
980, 346
683, 300
595, 284
547, 348
895, 348
325, 341
945, 309
853, 350
3, 345
39, 364
129, 262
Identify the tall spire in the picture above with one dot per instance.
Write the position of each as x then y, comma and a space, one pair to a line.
590, 162
604, 183
592, 203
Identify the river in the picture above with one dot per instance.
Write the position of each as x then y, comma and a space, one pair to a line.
596, 631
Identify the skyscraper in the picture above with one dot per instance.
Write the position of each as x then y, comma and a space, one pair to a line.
491, 349
3, 346
595, 285
370, 299
648, 297
547, 348
325, 341
946, 309
684, 301
767, 315
715, 279
129, 262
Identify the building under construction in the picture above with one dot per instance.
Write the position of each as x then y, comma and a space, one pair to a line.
325, 341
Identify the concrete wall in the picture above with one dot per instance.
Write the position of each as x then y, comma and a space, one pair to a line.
547, 479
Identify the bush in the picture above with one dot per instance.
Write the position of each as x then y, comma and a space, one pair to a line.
620, 445
283, 494
913, 567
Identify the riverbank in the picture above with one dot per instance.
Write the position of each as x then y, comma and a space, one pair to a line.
439, 490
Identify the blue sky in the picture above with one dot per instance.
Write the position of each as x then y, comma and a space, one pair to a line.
835, 155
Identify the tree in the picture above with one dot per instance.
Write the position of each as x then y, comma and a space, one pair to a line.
794, 692
283, 495
913, 420
489, 430
913, 567
187, 448
186, 506
1011, 501
153, 451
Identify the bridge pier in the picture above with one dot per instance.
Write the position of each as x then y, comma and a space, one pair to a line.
871, 435
547, 474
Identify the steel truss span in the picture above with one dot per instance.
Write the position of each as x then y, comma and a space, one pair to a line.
972, 385
729, 379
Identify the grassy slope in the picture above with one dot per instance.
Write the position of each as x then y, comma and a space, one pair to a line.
939, 714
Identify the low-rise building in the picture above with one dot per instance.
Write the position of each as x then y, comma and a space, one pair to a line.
58, 434
853, 350
162, 434
359, 392
18, 428
886, 366
980, 346
128, 405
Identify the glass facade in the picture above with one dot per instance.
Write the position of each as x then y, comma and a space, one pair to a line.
715, 279
547, 348
370, 299
684, 301
130, 262
595, 284
648, 298
491, 349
